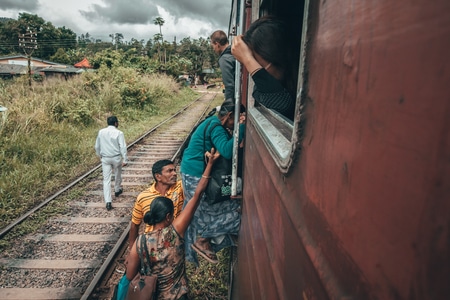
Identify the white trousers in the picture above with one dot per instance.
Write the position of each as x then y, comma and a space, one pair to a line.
108, 165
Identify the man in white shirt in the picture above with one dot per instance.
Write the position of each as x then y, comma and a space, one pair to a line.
111, 147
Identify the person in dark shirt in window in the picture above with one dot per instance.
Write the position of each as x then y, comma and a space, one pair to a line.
266, 53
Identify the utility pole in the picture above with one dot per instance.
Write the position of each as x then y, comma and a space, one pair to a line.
28, 42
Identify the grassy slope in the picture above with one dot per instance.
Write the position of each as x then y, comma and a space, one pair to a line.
47, 138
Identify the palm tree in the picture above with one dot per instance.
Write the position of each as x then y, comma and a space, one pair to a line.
160, 22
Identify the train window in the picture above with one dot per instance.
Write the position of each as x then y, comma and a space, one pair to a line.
281, 134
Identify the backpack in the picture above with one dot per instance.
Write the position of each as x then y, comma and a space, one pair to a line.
188, 139
219, 185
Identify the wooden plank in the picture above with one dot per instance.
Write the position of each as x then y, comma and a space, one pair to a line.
152, 158
100, 193
102, 204
95, 220
124, 183
75, 237
137, 163
40, 294
138, 169
49, 264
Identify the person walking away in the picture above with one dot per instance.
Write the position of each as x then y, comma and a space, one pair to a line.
165, 184
110, 146
165, 243
227, 62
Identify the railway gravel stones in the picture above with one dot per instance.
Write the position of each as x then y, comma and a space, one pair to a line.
65, 257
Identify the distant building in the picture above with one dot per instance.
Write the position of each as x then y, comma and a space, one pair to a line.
17, 65
83, 64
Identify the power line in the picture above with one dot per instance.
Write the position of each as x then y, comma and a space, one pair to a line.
28, 42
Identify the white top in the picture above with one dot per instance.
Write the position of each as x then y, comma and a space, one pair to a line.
111, 142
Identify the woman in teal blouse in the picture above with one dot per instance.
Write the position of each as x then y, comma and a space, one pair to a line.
212, 225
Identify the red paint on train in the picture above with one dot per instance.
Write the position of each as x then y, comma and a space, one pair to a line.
364, 210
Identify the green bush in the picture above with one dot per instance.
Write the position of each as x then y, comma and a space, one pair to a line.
47, 135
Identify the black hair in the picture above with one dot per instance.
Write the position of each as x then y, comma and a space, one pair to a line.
112, 120
159, 208
228, 106
270, 38
159, 165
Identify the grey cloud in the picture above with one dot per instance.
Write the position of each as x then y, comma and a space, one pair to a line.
145, 11
122, 12
215, 12
30, 5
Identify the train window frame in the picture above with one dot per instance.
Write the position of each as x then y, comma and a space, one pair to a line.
273, 128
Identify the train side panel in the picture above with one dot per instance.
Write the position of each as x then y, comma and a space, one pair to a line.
364, 211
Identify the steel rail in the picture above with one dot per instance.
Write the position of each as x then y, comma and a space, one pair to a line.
123, 238
20, 219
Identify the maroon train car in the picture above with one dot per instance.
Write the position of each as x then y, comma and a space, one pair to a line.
351, 200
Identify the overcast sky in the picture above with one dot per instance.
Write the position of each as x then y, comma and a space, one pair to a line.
132, 18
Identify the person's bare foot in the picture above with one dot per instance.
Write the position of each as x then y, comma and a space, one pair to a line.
203, 248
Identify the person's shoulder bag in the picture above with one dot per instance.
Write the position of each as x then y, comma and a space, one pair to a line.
143, 286
219, 185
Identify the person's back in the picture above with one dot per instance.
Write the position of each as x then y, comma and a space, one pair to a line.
111, 147
166, 252
193, 161
162, 254
227, 62
212, 222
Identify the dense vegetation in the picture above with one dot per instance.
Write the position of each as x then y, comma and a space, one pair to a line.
47, 137
61, 45
48, 132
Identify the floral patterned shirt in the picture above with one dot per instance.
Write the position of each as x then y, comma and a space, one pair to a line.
166, 253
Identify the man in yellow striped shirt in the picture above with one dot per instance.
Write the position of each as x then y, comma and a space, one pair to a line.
165, 184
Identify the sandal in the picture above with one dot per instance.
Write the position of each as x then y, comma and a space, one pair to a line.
206, 254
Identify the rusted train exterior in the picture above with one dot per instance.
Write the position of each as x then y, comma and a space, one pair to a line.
351, 200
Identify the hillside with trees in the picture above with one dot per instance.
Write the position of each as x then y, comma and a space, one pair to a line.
62, 45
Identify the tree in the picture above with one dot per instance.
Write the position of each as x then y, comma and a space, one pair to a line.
109, 58
116, 39
49, 37
199, 52
160, 22
9, 33
61, 57
158, 38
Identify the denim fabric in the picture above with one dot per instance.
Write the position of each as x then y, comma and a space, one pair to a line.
215, 221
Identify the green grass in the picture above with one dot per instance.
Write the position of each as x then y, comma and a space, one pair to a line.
47, 139
209, 281
48, 133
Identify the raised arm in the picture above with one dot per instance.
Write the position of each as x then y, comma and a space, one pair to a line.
182, 221
132, 263
244, 55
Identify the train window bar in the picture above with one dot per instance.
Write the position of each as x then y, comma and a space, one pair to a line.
237, 28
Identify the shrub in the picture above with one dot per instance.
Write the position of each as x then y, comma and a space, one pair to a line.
48, 133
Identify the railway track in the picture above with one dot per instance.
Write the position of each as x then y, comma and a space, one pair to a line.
72, 255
